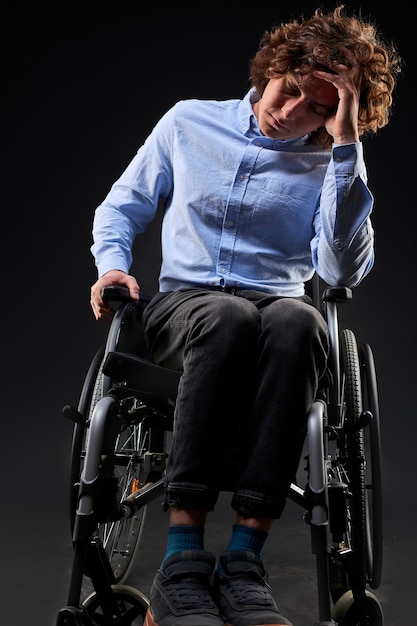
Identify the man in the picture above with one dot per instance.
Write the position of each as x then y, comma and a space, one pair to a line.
259, 194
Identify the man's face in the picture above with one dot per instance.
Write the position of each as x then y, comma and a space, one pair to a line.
295, 105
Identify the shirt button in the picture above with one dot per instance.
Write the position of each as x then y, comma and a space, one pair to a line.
223, 270
241, 177
230, 223
338, 160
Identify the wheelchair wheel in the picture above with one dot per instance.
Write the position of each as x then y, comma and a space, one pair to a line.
355, 471
345, 612
90, 394
119, 538
132, 607
353, 453
374, 504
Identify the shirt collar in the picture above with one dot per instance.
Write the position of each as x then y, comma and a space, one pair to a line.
247, 118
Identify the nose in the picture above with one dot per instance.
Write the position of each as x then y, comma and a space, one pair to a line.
292, 107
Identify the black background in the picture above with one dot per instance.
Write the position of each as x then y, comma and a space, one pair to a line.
82, 87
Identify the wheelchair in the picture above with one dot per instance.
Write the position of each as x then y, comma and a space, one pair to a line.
121, 436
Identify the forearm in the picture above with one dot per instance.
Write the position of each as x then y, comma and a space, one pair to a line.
343, 249
113, 238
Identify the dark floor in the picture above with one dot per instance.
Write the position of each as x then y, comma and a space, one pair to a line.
36, 560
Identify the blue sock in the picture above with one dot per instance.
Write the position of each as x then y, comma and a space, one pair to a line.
246, 538
184, 538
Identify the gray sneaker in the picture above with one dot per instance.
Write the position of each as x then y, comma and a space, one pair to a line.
181, 594
243, 593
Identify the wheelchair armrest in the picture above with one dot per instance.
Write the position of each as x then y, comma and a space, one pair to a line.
119, 295
338, 293
142, 374
115, 293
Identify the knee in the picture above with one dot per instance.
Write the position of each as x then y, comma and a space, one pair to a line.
232, 316
231, 324
298, 322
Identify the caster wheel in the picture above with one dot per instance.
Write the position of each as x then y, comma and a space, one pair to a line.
345, 612
132, 603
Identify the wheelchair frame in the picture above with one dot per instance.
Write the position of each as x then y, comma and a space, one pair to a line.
119, 449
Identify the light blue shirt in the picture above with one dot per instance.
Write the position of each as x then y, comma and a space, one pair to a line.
241, 210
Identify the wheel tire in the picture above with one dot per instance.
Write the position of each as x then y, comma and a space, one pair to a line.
354, 453
373, 453
132, 603
88, 399
345, 611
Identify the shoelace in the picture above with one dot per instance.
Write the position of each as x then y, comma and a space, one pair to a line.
247, 590
189, 593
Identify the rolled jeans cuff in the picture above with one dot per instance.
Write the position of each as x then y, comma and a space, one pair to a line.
191, 496
252, 504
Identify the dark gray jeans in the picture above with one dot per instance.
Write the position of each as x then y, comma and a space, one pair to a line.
251, 367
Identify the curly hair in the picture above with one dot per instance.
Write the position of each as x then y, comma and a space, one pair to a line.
296, 47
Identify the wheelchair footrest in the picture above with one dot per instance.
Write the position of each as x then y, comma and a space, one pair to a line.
71, 616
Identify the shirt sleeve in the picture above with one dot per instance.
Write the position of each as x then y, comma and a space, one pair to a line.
132, 202
343, 246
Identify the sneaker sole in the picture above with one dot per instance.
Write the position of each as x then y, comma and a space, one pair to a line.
229, 624
149, 620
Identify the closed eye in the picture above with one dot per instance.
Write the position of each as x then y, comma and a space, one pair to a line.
321, 109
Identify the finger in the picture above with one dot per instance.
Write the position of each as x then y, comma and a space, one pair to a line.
344, 64
344, 78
